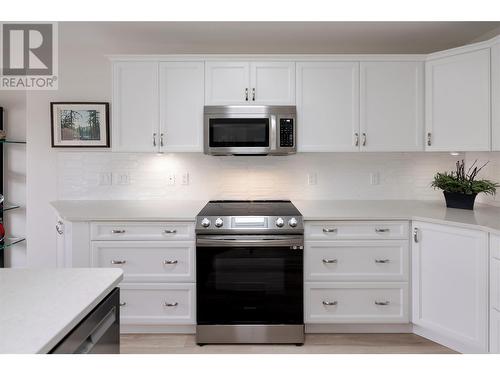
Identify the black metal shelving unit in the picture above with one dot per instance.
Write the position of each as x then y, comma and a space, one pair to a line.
7, 241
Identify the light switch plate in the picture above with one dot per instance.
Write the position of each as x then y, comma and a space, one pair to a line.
122, 178
105, 179
312, 178
185, 178
375, 178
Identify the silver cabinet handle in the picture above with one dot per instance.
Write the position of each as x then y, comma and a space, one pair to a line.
246, 94
118, 262
329, 230
161, 139
330, 303
59, 227
330, 261
382, 260
154, 139
364, 139
170, 262
123, 304
253, 94
382, 303
429, 139
170, 231
382, 230
173, 304
415, 235
118, 231
356, 139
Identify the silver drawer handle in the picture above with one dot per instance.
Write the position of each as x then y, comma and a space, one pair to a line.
174, 304
382, 230
329, 230
382, 303
170, 262
118, 261
170, 231
382, 260
118, 231
123, 304
59, 227
330, 261
330, 303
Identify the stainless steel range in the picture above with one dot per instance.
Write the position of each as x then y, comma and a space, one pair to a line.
249, 268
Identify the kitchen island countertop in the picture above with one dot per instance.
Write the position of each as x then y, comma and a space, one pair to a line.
39, 307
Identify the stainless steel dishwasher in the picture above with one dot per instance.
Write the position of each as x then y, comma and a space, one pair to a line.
98, 332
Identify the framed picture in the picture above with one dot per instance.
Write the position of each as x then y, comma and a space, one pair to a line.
80, 124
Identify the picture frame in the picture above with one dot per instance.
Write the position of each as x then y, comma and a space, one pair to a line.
80, 124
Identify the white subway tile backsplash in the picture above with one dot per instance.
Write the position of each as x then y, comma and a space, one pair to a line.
339, 176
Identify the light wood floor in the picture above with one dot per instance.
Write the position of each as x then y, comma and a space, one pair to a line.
391, 343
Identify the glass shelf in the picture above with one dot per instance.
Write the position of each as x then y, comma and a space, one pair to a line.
8, 207
12, 141
7, 242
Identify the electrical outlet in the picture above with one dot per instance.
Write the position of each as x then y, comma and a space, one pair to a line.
374, 178
105, 178
185, 178
312, 179
122, 178
171, 179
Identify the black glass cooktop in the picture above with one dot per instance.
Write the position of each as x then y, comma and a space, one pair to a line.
250, 208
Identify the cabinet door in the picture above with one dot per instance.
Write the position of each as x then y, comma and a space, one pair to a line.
495, 96
272, 83
450, 286
135, 106
227, 82
328, 106
181, 106
458, 102
392, 108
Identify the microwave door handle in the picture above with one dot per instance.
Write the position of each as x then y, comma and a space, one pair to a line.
272, 138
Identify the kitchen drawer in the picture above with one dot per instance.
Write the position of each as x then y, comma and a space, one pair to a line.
495, 331
495, 283
356, 260
356, 230
149, 261
157, 303
356, 303
140, 231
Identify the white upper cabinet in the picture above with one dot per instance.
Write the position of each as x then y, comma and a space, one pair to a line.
328, 106
450, 286
135, 106
181, 106
227, 82
458, 102
272, 83
495, 96
241, 82
391, 106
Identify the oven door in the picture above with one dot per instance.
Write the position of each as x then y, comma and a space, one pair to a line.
248, 280
239, 134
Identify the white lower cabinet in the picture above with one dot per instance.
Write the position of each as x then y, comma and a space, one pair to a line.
450, 286
150, 304
356, 272
494, 294
356, 302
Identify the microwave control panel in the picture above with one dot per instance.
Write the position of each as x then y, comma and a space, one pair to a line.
286, 132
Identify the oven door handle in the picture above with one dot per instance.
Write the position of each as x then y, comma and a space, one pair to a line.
296, 242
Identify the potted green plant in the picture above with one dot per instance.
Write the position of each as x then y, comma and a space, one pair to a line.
460, 188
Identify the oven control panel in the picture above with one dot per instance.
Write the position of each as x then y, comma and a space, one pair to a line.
250, 224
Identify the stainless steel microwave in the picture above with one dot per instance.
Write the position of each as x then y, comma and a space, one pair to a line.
250, 130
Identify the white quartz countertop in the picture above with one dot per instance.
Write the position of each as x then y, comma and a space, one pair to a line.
483, 217
118, 210
38, 307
